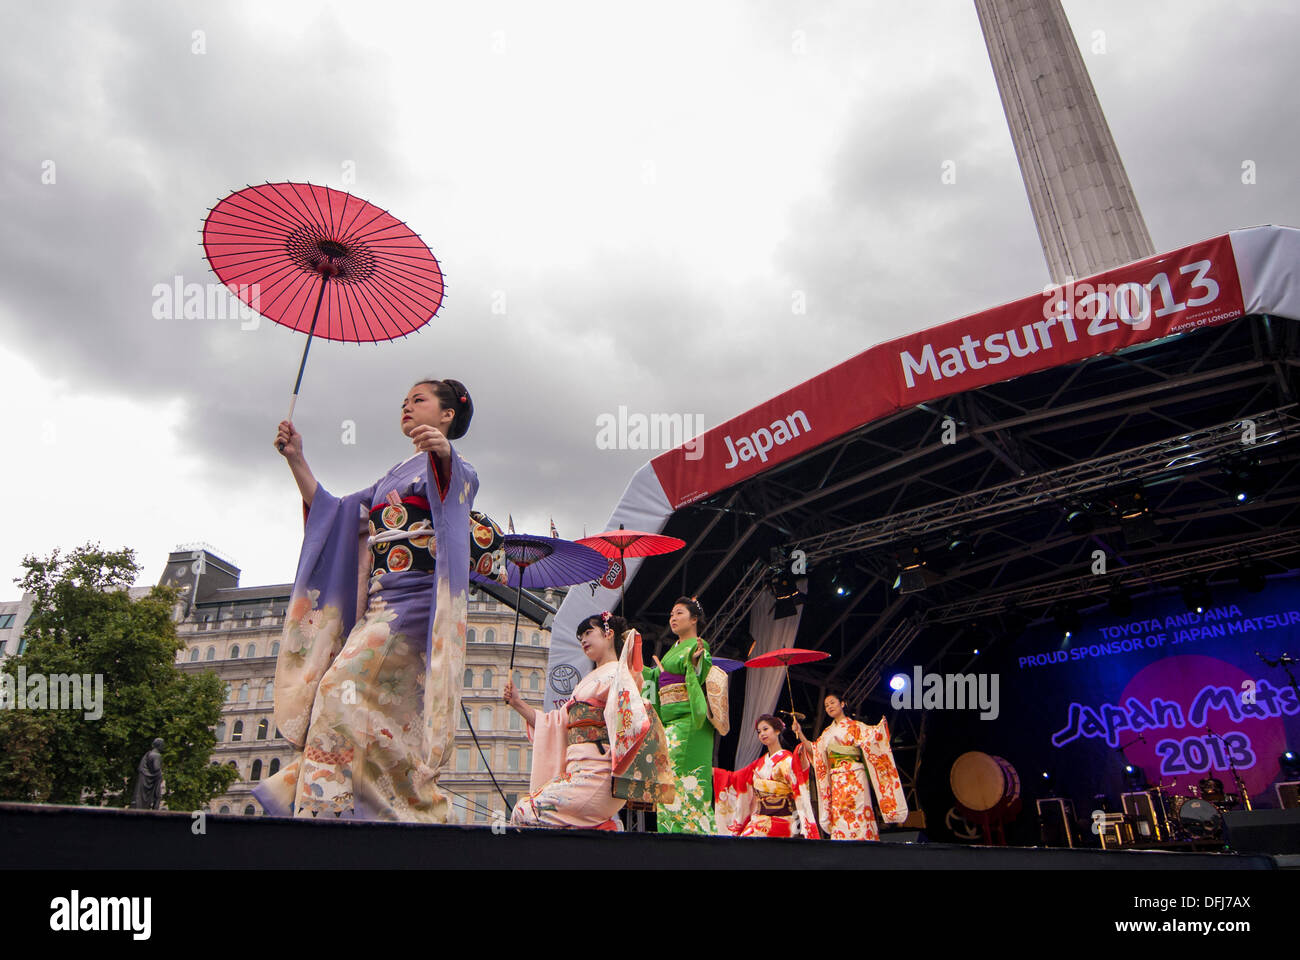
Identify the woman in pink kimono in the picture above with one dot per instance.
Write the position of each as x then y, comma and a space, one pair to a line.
846, 755
601, 748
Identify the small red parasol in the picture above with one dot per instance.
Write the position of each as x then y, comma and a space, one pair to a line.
622, 544
280, 247
783, 658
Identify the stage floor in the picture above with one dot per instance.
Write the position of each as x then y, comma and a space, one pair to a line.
34, 836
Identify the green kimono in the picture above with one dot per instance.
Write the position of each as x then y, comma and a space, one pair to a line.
683, 709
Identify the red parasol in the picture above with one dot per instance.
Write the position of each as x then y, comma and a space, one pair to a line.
622, 544
282, 247
783, 658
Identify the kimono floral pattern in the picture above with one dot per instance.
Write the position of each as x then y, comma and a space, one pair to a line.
843, 794
371, 712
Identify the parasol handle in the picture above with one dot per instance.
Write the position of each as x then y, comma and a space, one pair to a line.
293, 399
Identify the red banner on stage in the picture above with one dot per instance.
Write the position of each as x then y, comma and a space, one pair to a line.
1139, 302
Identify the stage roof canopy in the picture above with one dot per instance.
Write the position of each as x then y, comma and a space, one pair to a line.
1149, 412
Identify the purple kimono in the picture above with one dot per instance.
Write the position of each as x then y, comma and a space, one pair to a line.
370, 664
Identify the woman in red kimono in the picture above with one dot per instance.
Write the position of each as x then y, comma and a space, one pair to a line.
768, 798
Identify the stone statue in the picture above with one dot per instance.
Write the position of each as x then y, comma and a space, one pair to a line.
149, 779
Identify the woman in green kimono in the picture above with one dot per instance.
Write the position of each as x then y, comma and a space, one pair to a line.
690, 698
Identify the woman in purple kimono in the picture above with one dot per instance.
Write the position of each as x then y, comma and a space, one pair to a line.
373, 649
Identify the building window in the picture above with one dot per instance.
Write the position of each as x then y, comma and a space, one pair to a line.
519, 683
534, 681
485, 718
275, 649
463, 721
221, 732
471, 636
230, 692
212, 655
481, 801
537, 640
234, 652
243, 691
268, 692
468, 679
250, 811
490, 636
487, 678
512, 759
274, 768
462, 758
511, 800
238, 733
257, 771
194, 655
252, 650
224, 809
514, 720
262, 727
7, 620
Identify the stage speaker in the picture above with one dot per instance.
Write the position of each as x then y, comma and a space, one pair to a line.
1056, 821
1288, 795
1140, 805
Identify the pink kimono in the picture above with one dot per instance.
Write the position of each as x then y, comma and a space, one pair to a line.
594, 753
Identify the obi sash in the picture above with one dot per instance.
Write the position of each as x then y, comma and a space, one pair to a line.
586, 724
844, 759
775, 799
672, 688
403, 553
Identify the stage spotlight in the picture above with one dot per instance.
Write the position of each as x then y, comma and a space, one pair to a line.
1244, 479
898, 681
914, 575
1250, 576
1196, 593
844, 581
1118, 601
1136, 521
960, 548
1079, 522
1135, 778
788, 597
1290, 765
1066, 616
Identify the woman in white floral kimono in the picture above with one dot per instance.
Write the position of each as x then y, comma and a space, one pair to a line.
847, 756
603, 747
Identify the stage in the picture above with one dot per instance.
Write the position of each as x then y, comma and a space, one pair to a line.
36, 837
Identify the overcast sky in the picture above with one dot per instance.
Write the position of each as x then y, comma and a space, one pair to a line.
645, 188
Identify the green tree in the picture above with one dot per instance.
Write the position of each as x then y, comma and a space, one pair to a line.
84, 622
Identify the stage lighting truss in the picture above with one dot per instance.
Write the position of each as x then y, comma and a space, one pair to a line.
1074, 484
